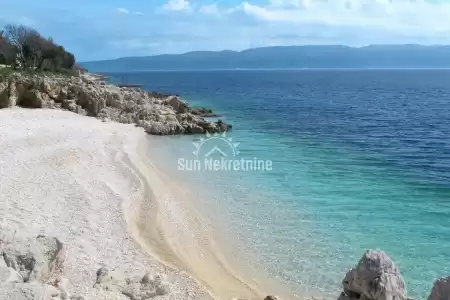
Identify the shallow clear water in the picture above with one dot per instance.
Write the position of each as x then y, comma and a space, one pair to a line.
361, 159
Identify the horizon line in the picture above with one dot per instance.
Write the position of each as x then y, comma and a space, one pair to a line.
279, 69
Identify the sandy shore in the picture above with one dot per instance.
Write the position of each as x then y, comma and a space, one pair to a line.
91, 185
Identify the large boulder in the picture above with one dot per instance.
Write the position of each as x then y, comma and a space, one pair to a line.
39, 259
441, 290
52, 89
374, 278
194, 129
36, 99
177, 104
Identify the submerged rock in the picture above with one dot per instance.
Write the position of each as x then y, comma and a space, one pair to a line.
374, 278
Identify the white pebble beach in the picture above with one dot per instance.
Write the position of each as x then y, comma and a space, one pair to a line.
79, 179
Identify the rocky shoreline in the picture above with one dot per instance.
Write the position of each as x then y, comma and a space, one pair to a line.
33, 269
158, 114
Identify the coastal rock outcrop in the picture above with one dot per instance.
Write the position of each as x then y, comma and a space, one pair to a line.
375, 277
158, 114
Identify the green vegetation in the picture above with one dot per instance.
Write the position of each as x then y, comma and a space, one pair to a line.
24, 48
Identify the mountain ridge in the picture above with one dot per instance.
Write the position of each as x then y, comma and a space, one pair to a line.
286, 57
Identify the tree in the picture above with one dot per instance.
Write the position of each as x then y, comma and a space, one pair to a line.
27, 47
17, 36
7, 51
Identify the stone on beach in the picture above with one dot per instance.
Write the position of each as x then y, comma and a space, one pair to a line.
136, 288
38, 259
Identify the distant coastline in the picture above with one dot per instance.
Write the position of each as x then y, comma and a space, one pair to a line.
287, 58
281, 69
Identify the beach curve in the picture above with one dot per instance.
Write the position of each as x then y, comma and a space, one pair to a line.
83, 181
163, 221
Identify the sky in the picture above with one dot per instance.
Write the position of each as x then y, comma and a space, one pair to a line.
99, 29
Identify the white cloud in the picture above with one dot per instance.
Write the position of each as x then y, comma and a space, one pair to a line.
396, 16
209, 9
127, 12
177, 5
123, 10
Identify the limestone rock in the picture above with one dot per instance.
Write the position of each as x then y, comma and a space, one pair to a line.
38, 259
29, 291
8, 94
110, 280
13, 94
34, 99
158, 114
177, 104
441, 290
204, 112
374, 278
4, 96
135, 288
194, 129
8, 275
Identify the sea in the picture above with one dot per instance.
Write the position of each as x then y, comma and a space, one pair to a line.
320, 166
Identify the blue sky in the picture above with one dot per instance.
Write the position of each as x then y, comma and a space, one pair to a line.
98, 29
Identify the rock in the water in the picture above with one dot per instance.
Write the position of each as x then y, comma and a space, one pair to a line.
271, 298
38, 259
374, 278
441, 290
204, 112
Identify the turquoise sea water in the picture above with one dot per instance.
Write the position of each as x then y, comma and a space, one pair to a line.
361, 159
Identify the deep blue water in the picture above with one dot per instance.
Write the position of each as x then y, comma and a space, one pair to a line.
361, 159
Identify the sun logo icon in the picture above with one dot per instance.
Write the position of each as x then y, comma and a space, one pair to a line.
216, 144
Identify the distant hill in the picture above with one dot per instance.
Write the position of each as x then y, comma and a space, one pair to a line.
286, 57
